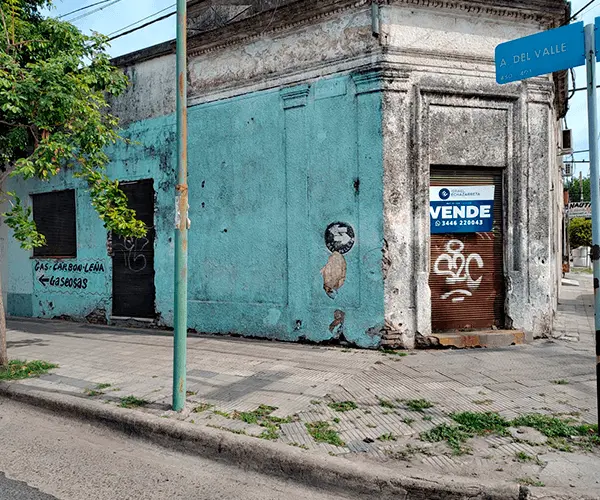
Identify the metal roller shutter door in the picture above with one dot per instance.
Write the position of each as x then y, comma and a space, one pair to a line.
484, 308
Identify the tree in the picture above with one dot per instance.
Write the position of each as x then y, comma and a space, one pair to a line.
54, 84
580, 232
575, 190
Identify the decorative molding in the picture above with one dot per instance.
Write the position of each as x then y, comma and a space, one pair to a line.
370, 80
295, 97
550, 13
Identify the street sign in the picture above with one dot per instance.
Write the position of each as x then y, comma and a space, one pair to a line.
546, 52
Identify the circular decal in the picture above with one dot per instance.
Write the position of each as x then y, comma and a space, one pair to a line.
339, 237
444, 193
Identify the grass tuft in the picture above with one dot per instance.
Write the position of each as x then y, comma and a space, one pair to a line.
202, 407
322, 432
343, 406
387, 437
386, 403
417, 404
452, 434
561, 381
132, 402
18, 370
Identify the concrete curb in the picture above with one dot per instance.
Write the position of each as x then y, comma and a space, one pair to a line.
275, 459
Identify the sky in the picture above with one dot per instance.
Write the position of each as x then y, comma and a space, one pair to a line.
117, 14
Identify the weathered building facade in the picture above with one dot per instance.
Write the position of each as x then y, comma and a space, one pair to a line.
319, 133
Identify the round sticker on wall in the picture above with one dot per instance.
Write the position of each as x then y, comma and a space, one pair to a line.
339, 237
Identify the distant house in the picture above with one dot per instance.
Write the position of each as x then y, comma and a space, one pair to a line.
327, 139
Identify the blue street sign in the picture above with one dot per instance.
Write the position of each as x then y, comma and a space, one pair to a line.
545, 52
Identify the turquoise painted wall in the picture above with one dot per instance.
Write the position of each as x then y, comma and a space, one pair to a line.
268, 172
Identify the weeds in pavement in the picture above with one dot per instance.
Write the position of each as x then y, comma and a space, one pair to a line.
386, 403
315, 402
521, 456
452, 434
202, 407
528, 481
417, 404
427, 418
371, 426
561, 381
322, 432
394, 352
222, 413
470, 424
190, 393
407, 453
132, 402
221, 428
92, 393
103, 386
262, 416
483, 402
336, 420
18, 370
408, 421
387, 437
343, 406
298, 445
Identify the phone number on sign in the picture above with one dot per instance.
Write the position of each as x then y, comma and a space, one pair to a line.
459, 223
69, 282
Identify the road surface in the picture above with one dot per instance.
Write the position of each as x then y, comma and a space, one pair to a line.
47, 457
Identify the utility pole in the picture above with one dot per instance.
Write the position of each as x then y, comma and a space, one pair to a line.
580, 186
590, 54
181, 216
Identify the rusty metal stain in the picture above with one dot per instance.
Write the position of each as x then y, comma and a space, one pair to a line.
338, 321
334, 274
181, 382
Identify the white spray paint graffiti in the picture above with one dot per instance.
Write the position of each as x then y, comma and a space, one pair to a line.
457, 270
134, 260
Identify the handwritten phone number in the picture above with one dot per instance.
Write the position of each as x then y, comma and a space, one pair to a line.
62, 282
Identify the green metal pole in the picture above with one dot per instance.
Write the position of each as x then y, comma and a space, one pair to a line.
181, 216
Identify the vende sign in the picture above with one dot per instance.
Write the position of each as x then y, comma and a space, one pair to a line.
461, 209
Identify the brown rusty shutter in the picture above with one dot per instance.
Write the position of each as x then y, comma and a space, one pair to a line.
485, 307
54, 216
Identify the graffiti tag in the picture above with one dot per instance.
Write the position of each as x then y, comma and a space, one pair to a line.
134, 260
457, 270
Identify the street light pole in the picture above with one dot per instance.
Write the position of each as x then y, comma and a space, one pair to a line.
590, 55
181, 216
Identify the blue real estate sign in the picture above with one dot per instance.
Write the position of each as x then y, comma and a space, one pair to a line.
461, 209
539, 54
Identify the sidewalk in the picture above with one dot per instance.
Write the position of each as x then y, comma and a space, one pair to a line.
391, 392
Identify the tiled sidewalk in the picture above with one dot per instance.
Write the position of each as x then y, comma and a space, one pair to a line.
239, 375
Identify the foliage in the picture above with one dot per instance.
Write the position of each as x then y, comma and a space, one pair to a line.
343, 406
418, 404
580, 232
322, 432
575, 192
132, 402
54, 84
17, 370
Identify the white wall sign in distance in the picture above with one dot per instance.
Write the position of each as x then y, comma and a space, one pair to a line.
539, 54
461, 209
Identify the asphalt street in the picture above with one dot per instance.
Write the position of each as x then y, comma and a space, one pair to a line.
45, 457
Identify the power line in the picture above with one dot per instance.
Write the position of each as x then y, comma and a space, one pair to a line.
86, 14
581, 10
140, 20
82, 8
166, 16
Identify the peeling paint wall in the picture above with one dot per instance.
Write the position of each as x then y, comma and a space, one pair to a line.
447, 110
313, 126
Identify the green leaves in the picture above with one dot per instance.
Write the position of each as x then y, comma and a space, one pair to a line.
19, 220
580, 232
54, 84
